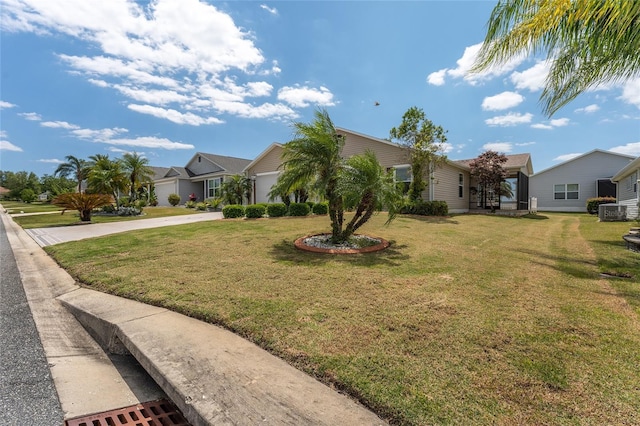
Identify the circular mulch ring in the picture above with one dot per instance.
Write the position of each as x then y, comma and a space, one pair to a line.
300, 245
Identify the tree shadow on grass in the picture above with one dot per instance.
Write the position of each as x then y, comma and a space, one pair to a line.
393, 255
436, 220
571, 266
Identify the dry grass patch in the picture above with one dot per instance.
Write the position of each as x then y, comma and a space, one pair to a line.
467, 319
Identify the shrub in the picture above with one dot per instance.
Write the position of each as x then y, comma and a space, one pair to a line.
214, 203
129, 211
310, 204
84, 203
109, 208
174, 199
593, 204
255, 211
426, 208
190, 204
232, 211
276, 209
201, 206
123, 201
27, 195
321, 208
298, 209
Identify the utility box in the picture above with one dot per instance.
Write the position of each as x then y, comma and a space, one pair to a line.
612, 213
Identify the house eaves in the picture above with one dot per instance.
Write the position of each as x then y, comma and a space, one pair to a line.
384, 141
262, 155
628, 169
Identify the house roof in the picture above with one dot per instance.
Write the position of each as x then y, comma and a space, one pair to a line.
585, 155
233, 165
514, 161
635, 164
159, 172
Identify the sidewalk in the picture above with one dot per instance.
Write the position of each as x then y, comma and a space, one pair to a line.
214, 376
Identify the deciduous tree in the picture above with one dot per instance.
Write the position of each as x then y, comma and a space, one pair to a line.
488, 170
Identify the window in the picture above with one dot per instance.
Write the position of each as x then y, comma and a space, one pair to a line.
214, 186
460, 185
566, 191
508, 190
402, 175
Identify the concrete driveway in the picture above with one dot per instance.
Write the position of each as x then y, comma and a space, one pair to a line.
61, 234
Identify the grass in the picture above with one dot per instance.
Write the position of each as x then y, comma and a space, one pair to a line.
71, 217
463, 320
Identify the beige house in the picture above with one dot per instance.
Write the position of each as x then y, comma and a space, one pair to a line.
450, 182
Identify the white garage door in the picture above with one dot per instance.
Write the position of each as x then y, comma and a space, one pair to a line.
263, 186
163, 190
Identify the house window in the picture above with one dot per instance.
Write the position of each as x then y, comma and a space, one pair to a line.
460, 185
214, 186
402, 177
566, 191
509, 190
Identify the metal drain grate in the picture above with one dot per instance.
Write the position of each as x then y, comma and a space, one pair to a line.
155, 413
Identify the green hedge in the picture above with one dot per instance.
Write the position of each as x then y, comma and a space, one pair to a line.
298, 209
321, 208
255, 211
276, 209
174, 199
233, 211
426, 208
593, 204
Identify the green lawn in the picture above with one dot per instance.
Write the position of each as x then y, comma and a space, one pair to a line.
13, 207
463, 320
71, 217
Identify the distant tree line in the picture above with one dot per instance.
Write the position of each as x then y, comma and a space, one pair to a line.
26, 186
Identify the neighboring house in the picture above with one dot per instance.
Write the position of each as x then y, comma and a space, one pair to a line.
202, 175
568, 186
44, 196
628, 191
4, 192
519, 168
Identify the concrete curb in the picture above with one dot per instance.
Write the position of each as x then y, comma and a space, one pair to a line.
211, 374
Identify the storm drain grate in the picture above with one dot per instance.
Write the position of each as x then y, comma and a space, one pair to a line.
154, 413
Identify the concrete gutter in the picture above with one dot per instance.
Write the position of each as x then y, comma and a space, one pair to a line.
212, 375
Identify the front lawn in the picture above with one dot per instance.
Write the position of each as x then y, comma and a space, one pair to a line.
13, 207
71, 217
463, 320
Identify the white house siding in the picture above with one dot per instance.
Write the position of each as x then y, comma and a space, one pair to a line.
628, 193
584, 171
263, 183
445, 188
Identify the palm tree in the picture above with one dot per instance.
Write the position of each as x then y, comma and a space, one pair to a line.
84, 203
588, 43
235, 188
137, 167
76, 167
314, 157
367, 188
106, 176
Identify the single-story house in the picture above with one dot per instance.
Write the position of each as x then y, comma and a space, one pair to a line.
450, 182
628, 181
202, 175
567, 186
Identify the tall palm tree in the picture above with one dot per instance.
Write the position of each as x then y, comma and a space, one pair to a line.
588, 42
76, 167
106, 176
138, 170
314, 157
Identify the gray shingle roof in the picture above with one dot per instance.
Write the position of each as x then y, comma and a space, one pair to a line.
231, 165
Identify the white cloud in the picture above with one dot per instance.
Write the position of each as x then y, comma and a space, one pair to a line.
31, 116
631, 92
164, 54
50, 160
99, 135
5, 105
632, 148
464, 65
501, 101
511, 119
8, 146
567, 157
174, 116
271, 10
589, 109
552, 124
525, 143
436, 78
150, 142
59, 125
303, 96
532, 79
271, 111
498, 146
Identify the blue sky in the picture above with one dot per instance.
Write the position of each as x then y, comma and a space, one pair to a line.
168, 78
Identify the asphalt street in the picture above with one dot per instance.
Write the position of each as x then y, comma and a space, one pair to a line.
27, 393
